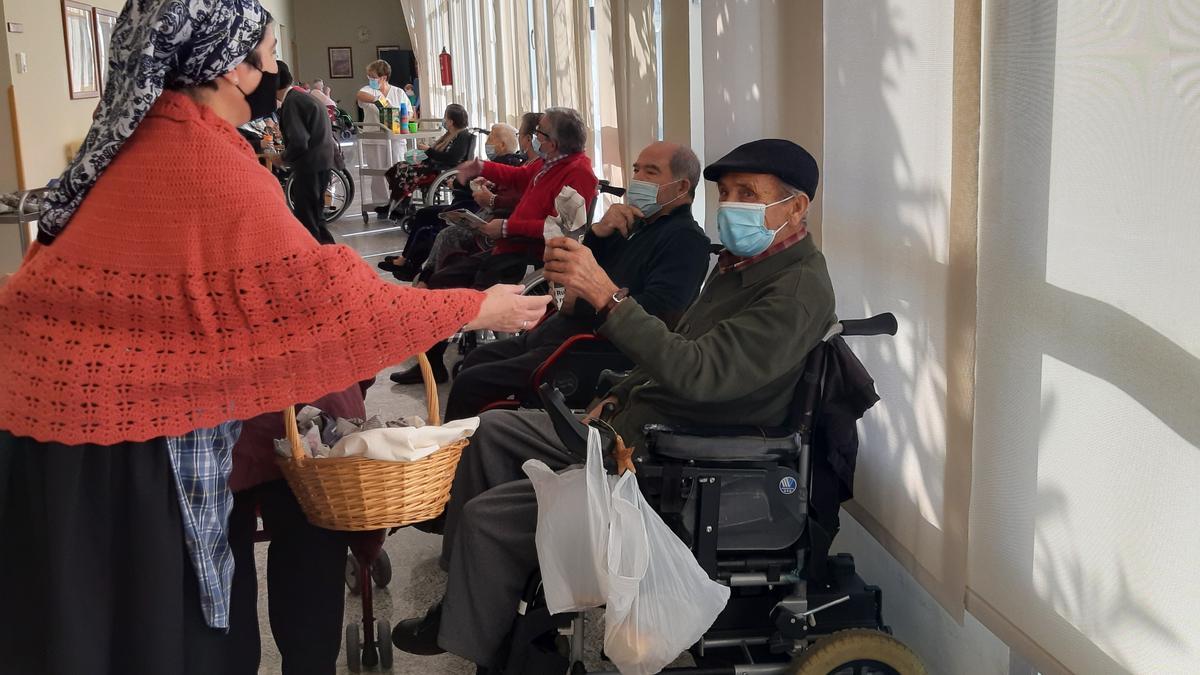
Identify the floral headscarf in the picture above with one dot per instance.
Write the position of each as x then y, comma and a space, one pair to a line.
155, 44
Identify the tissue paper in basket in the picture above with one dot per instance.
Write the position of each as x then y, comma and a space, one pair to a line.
407, 444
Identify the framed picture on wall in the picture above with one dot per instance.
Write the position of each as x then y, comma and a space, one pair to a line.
341, 63
105, 22
79, 33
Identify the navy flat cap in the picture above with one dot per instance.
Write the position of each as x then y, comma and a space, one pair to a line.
790, 162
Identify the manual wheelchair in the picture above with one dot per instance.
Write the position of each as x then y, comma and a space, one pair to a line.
759, 508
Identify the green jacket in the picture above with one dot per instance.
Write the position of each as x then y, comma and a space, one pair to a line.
738, 352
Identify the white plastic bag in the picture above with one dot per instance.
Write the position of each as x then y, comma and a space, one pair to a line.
572, 530
660, 601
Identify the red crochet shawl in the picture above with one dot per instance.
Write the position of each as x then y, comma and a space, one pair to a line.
183, 294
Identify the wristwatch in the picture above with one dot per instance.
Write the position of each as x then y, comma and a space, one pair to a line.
612, 303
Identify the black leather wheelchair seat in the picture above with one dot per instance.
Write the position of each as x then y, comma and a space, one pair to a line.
722, 444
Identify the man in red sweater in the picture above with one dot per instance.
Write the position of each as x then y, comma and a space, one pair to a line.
558, 140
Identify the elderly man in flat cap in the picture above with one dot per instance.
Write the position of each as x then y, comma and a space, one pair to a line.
736, 358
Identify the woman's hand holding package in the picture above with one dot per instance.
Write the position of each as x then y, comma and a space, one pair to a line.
506, 309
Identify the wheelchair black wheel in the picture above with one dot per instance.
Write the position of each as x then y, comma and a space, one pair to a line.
339, 195
351, 574
383, 639
857, 652
353, 648
381, 570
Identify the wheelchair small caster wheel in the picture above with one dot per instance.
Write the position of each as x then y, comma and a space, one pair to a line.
383, 639
352, 574
370, 657
353, 648
381, 570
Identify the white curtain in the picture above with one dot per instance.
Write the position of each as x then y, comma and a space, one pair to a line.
1083, 532
503, 54
889, 103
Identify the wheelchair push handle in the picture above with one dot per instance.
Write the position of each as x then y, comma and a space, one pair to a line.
608, 188
880, 324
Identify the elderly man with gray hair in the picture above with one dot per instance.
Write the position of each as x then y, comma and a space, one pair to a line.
559, 141
478, 196
650, 245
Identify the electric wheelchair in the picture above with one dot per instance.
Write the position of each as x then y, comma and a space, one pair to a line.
759, 508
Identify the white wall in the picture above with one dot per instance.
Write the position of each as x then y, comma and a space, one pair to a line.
761, 78
10, 239
945, 647
320, 24
49, 119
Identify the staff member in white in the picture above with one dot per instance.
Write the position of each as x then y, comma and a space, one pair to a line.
375, 153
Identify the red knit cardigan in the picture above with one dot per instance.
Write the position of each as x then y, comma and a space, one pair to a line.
183, 294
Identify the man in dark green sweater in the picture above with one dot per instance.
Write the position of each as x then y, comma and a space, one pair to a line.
735, 359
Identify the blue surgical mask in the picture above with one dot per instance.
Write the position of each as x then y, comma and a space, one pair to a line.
743, 229
373, 82
536, 142
490, 151
643, 195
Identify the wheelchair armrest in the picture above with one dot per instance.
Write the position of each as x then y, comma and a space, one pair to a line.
575, 366
721, 444
608, 379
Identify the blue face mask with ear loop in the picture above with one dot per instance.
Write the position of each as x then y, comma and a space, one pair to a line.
536, 142
643, 195
742, 227
373, 82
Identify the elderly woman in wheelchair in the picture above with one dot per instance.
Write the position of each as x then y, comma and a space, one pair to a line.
721, 414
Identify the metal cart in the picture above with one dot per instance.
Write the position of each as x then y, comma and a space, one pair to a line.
374, 134
23, 218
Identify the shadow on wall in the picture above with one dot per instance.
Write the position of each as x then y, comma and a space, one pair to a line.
886, 236
901, 266
1082, 332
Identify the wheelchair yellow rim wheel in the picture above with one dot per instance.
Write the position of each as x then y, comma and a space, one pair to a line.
857, 652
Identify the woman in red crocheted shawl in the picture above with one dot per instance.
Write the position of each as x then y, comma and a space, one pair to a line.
171, 295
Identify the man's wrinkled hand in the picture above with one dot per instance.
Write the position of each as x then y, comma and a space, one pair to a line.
572, 265
618, 218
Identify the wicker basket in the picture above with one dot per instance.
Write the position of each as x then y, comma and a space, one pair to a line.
357, 494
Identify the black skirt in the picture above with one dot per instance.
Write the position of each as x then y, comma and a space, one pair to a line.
94, 572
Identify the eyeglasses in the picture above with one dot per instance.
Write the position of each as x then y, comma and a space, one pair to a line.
544, 134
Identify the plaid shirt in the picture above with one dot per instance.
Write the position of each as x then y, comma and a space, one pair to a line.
201, 461
728, 262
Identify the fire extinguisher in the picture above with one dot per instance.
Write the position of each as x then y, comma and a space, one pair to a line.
447, 68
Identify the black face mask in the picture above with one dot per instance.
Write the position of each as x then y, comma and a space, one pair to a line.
262, 99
